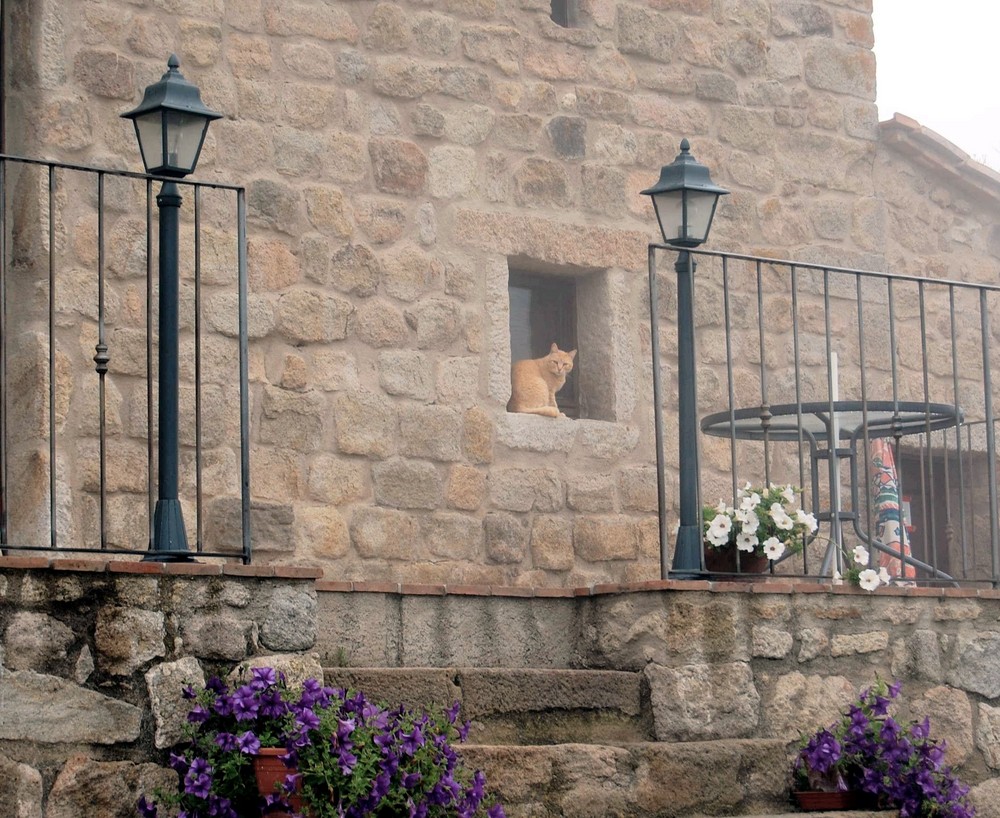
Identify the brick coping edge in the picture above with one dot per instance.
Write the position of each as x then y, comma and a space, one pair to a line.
763, 585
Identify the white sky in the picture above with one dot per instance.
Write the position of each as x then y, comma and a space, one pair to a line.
939, 63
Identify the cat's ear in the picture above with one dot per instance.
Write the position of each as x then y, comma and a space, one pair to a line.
572, 354
553, 348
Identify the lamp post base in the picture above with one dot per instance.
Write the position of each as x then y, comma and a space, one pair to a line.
687, 553
169, 538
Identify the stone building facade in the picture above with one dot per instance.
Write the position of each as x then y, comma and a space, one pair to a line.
401, 159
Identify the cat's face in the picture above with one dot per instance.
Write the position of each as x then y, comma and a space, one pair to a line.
560, 362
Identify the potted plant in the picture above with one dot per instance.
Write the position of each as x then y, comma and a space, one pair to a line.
859, 572
868, 754
341, 756
764, 525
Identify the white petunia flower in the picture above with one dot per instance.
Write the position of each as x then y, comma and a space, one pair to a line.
806, 519
883, 576
721, 507
781, 518
868, 579
860, 555
718, 530
788, 493
746, 540
773, 548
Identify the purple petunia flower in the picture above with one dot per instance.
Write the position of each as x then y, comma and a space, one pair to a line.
198, 715
413, 741
452, 712
226, 742
147, 809
463, 731
346, 760
410, 780
496, 811
198, 781
178, 763
249, 744
245, 704
262, 677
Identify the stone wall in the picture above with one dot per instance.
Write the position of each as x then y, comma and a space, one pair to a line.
93, 655
399, 158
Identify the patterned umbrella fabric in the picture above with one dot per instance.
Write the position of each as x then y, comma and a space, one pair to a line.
889, 529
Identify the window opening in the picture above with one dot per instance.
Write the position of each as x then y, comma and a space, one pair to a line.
564, 13
543, 311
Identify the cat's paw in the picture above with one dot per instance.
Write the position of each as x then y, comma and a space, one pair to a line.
562, 415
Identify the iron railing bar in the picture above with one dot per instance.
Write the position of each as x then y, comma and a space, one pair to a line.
731, 387
101, 361
958, 433
243, 287
797, 366
866, 438
150, 463
896, 432
835, 560
3, 353
127, 174
765, 412
53, 535
804, 265
199, 541
991, 451
926, 472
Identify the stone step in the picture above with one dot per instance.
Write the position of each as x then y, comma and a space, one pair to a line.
725, 777
518, 706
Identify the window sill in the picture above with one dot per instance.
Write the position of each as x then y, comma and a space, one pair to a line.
604, 439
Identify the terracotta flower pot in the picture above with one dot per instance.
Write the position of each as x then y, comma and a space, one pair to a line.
270, 771
723, 561
815, 800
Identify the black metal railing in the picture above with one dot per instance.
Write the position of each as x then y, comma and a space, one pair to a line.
77, 273
846, 383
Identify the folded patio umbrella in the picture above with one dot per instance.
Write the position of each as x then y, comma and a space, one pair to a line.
889, 529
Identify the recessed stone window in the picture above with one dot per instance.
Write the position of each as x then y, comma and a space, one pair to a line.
564, 13
543, 311
576, 309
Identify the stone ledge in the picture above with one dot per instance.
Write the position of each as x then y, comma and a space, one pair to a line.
103, 565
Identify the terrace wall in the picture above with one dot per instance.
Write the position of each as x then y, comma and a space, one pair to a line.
399, 159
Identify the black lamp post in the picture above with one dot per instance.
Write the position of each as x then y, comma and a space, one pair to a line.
685, 199
170, 123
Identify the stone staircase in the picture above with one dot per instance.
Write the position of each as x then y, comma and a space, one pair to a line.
559, 742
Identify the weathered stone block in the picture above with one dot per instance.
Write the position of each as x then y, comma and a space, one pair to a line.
501, 46
407, 373
796, 699
105, 73
452, 536
382, 220
388, 29
431, 432
380, 533
703, 702
321, 533
506, 538
568, 135
770, 643
379, 324
598, 539
399, 167
51, 710
289, 623
408, 272
406, 484
466, 488
541, 182
126, 638
366, 424
308, 317
477, 436
85, 786
552, 543
526, 489
846, 644
293, 419
591, 492
20, 789
32, 640
646, 33
950, 712
437, 321
329, 211
452, 171
165, 683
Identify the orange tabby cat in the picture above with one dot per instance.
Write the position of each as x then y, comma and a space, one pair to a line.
535, 381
